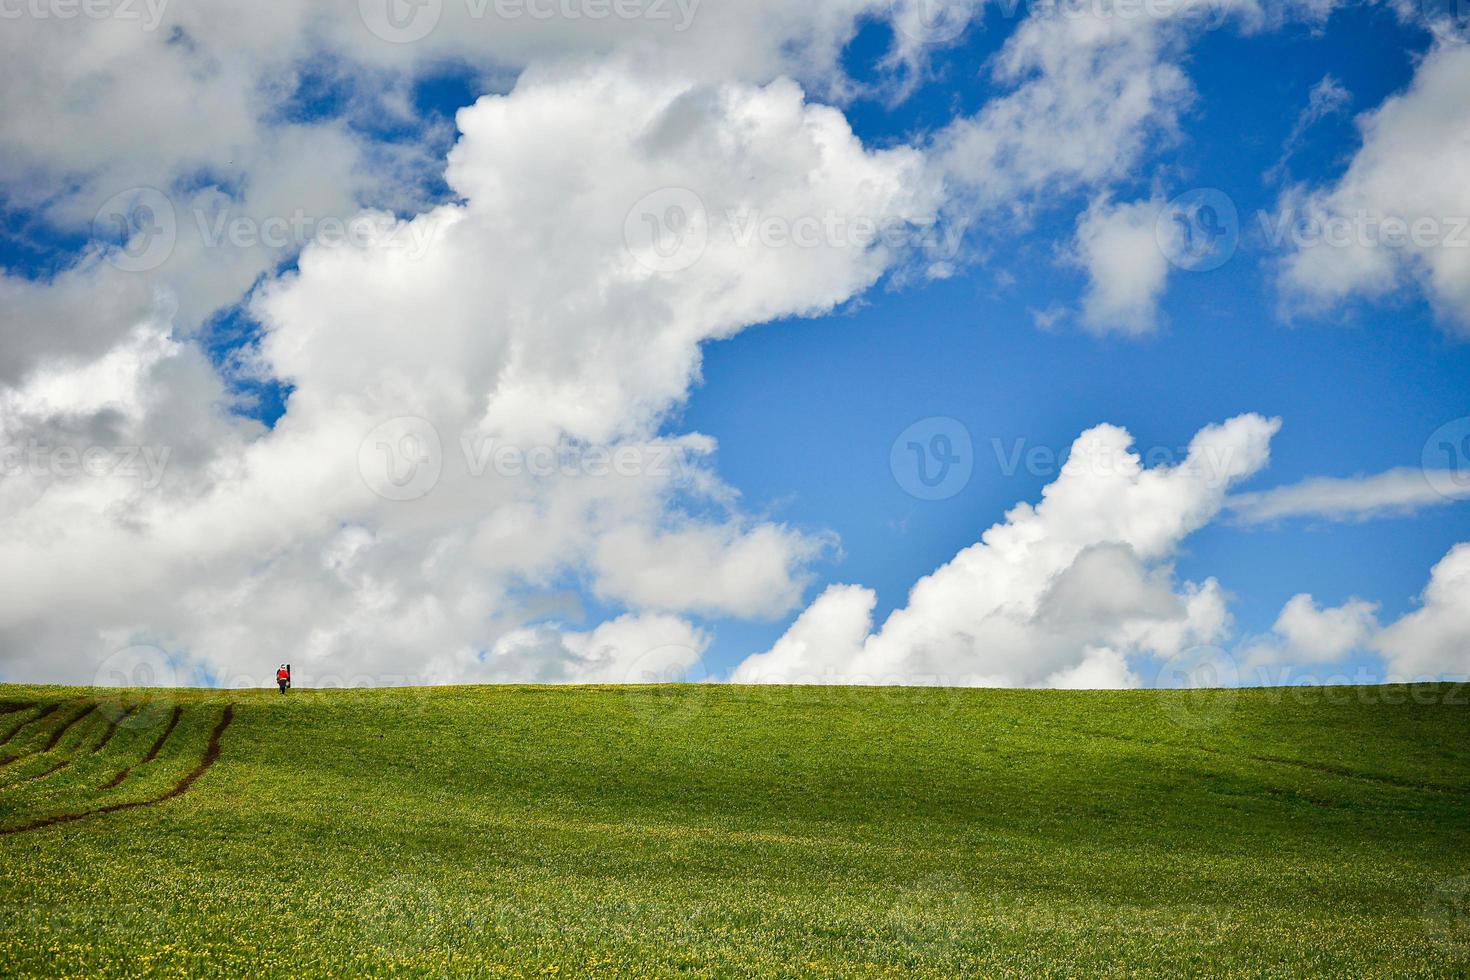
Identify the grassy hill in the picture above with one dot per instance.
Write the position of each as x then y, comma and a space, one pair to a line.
736, 831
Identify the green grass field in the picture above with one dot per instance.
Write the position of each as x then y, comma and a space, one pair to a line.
714, 830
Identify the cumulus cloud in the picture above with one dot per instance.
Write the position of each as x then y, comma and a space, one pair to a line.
1308, 633
1100, 670
398, 507
1126, 268
707, 569
1062, 593
1089, 90
1400, 215
596, 237
1325, 634
1434, 640
643, 649
203, 112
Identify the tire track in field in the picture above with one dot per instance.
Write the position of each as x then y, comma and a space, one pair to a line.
56, 736
210, 757
11, 709
1327, 769
1321, 768
112, 726
173, 722
46, 712
36, 778
68, 760
60, 733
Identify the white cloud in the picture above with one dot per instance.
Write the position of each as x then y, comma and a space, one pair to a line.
718, 570
1401, 213
1307, 633
526, 323
1090, 91
1399, 491
1325, 634
1434, 640
1062, 592
522, 322
1101, 669
1093, 88
1118, 246
628, 650
208, 107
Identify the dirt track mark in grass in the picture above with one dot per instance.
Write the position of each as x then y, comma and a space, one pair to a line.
68, 760
38, 777
112, 726
1324, 768
210, 757
173, 721
46, 712
60, 733
10, 709
56, 736
1327, 769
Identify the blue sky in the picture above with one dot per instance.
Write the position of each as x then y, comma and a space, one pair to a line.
805, 408
1359, 390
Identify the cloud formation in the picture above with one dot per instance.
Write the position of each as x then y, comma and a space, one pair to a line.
382, 517
1069, 592
1434, 640
1430, 642
1117, 244
1400, 215
483, 382
1398, 491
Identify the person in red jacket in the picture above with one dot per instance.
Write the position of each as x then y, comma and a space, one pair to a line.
283, 677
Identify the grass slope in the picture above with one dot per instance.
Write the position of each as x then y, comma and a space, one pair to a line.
736, 831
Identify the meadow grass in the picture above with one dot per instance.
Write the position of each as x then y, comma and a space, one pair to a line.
734, 831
